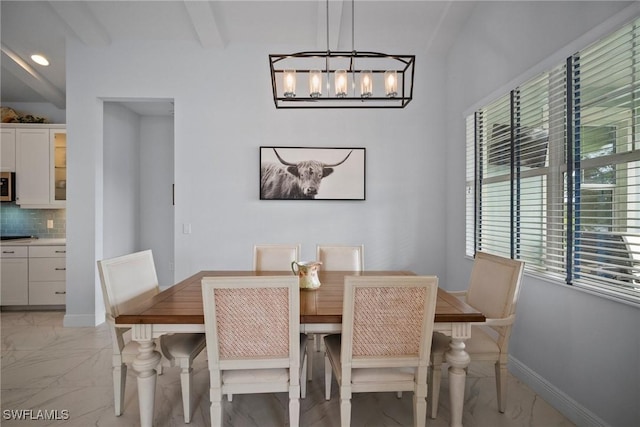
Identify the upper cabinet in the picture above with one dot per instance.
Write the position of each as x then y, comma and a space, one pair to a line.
41, 166
7, 150
58, 138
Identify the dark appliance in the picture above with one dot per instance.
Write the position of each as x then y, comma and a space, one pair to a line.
7, 186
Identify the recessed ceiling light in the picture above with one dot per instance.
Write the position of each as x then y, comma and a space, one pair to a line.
39, 59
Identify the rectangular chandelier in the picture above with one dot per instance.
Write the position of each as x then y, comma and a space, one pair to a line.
326, 79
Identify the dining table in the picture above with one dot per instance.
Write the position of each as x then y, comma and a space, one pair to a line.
179, 309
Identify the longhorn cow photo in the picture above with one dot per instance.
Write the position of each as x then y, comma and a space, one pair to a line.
288, 173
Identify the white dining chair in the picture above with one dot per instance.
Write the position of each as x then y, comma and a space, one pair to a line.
493, 289
336, 258
126, 281
340, 257
254, 343
387, 325
275, 257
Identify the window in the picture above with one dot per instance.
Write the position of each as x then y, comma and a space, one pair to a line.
553, 170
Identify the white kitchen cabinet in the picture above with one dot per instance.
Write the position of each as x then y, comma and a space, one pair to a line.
14, 275
47, 275
41, 176
7, 150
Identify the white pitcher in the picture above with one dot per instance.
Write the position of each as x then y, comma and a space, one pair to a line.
307, 272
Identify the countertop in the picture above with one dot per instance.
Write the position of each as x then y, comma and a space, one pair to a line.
34, 242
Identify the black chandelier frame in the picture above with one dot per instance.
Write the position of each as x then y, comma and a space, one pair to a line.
402, 64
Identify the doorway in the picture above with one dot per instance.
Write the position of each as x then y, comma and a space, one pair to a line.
138, 176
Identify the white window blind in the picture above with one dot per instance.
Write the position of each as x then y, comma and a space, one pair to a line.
553, 170
606, 102
493, 163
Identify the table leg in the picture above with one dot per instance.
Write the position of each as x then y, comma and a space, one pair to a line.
145, 364
458, 360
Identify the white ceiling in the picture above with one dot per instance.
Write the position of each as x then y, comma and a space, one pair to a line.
27, 27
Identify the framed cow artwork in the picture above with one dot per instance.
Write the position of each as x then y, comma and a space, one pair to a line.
312, 173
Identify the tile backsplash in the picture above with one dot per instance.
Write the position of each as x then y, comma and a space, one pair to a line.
15, 221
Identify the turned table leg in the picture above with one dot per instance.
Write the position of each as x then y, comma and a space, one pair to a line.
458, 360
145, 364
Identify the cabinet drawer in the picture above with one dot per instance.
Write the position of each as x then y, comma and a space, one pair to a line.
47, 251
47, 269
47, 293
14, 252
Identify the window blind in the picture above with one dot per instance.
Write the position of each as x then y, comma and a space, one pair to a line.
606, 224
493, 151
554, 167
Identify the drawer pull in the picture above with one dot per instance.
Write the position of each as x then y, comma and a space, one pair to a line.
60, 269
8, 252
61, 252
60, 293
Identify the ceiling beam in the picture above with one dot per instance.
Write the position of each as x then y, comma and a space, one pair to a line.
83, 23
205, 24
25, 73
335, 22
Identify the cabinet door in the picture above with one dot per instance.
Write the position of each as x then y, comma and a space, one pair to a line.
58, 192
7, 150
14, 284
32, 166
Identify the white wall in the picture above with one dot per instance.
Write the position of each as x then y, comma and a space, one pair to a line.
579, 351
121, 180
155, 203
220, 123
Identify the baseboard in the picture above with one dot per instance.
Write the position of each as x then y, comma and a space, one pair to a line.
79, 320
571, 409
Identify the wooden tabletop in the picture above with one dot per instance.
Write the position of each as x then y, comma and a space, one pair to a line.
182, 303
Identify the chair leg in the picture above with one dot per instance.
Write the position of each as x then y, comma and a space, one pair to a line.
345, 411
216, 413
187, 385
501, 385
435, 375
420, 406
303, 375
294, 411
119, 382
310, 358
327, 378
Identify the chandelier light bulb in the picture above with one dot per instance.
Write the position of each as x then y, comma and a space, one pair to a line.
366, 84
391, 83
289, 78
315, 83
341, 83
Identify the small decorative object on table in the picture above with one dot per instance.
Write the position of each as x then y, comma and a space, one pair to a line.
307, 273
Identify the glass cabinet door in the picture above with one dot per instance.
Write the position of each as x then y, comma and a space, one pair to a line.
59, 181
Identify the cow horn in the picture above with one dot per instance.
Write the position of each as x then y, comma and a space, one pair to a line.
339, 163
282, 161
325, 165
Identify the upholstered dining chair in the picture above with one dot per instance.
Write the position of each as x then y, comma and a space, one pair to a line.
340, 258
336, 258
126, 281
252, 326
387, 326
275, 257
493, 289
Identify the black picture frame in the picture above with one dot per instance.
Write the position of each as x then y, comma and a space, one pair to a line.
312, 173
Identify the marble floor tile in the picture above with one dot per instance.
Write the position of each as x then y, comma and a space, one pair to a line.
45, 366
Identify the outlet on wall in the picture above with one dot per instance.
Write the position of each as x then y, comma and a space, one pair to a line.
49, 223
